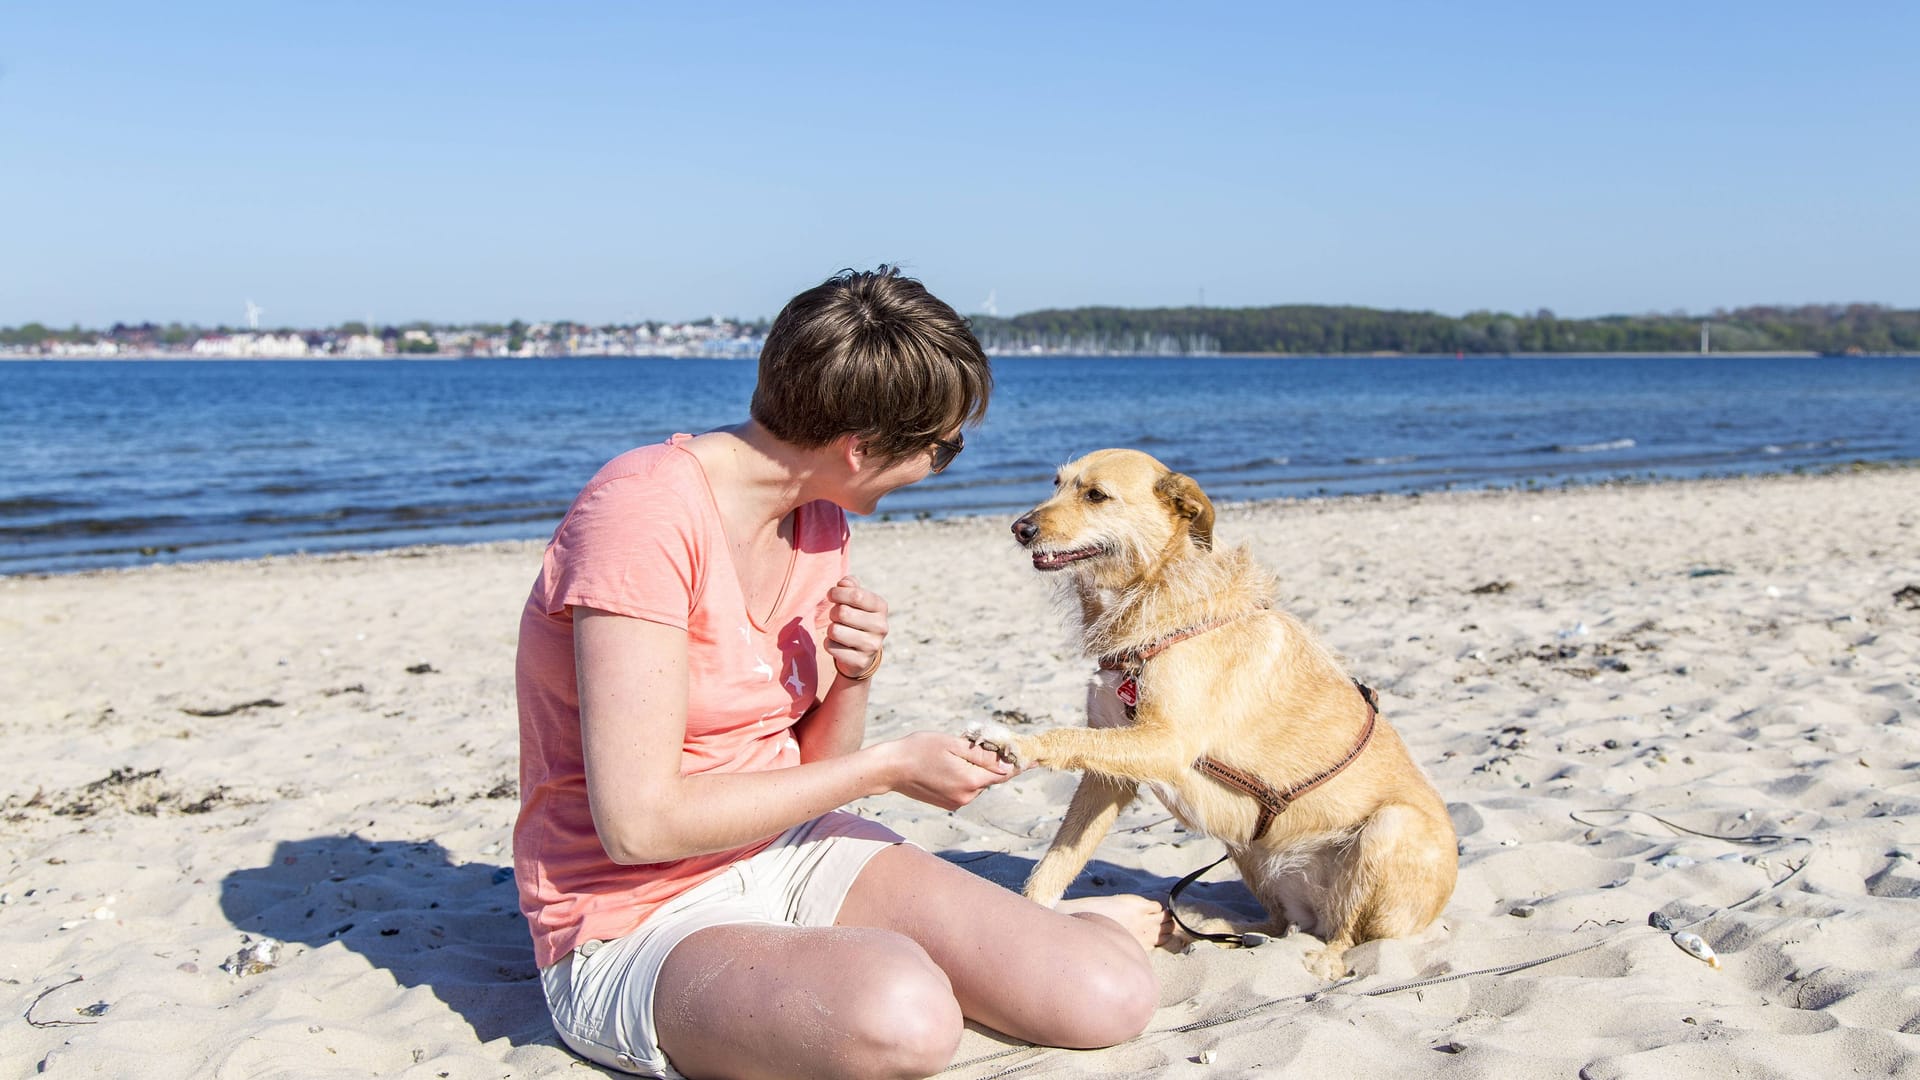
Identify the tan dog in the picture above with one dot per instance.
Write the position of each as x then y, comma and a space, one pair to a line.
1238, 707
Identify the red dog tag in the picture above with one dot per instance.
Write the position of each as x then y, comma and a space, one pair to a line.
1129, 692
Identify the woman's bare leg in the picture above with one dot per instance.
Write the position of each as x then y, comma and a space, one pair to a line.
774, 1001
882, 994
1050, 977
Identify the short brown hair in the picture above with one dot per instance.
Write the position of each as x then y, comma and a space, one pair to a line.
872, 354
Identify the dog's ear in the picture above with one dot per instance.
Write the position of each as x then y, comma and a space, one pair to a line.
1186, 500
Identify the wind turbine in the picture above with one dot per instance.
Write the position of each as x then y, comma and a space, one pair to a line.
254, 311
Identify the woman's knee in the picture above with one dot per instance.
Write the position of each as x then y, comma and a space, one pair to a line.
1116, 994
901, 1018
1131, 994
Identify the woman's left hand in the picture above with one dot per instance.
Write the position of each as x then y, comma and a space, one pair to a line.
857, 626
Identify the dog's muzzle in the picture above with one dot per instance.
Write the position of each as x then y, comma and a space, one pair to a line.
1025, 529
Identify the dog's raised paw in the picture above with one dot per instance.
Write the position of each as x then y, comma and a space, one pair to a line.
995, 738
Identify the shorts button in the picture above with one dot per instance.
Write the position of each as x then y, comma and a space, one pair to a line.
588, 948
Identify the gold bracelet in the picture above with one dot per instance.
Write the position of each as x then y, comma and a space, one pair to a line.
871, 668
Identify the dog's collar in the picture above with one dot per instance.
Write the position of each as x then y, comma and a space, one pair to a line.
1132, 660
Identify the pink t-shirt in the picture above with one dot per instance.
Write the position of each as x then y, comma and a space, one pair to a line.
644, 539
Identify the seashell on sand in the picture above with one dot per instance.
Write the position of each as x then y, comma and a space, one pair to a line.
1696, 946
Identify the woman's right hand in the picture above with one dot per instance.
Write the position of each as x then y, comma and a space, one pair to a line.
942, 770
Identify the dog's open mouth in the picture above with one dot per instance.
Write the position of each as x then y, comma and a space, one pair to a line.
1054, 560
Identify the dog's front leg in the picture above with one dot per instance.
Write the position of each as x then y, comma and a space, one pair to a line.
1096, 804
1144, 750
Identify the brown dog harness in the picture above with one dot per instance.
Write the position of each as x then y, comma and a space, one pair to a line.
1273, 801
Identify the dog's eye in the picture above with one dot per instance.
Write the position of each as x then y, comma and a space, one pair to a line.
1096, 495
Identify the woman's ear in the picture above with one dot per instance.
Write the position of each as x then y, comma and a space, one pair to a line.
1186, 500
852, 451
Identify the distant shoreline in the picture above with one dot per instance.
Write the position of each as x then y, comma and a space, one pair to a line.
1273, 329
1227, 508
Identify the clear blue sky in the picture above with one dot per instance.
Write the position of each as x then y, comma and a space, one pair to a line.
459, 162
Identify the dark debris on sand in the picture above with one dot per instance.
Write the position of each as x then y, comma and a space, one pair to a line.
125, 790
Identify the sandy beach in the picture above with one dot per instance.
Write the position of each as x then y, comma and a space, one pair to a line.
254, 816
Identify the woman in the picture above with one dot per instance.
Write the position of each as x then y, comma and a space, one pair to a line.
693, 674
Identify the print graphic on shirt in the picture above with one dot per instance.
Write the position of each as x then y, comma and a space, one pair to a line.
760, 665
800, 653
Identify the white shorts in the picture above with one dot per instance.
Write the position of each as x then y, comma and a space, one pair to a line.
601, 993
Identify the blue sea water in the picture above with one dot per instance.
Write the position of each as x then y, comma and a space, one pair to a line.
120, 463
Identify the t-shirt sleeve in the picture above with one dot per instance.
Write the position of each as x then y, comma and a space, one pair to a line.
630, 546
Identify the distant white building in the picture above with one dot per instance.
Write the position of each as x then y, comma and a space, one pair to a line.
251, 346
78, 350
361, 346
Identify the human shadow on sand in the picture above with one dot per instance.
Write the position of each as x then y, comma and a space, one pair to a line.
456, 928
1219, 894
409, 908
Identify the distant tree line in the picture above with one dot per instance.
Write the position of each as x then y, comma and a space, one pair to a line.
1299, 329
1316, 330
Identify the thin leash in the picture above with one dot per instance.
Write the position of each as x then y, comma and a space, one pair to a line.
1750, 838
1655, 921
1273, 802
1245, 941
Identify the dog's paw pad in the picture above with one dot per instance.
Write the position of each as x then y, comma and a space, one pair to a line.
995, 738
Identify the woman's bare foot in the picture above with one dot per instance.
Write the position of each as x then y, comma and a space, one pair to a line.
1146, 921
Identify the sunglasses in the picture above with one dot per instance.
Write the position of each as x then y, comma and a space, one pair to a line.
944, 452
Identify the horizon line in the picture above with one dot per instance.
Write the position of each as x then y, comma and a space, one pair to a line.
1676, 314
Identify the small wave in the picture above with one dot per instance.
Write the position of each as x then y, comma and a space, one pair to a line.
1396, 459
285, 488
1594, 447
80, 527
1249, 466
270, 444
1797, 447
418, 525
360, 515
488, 478
1038, 481
35, 504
